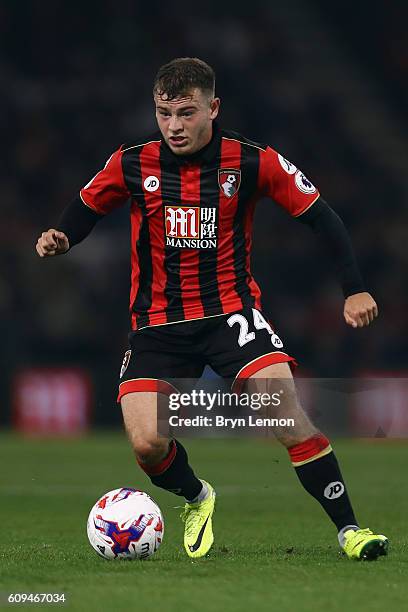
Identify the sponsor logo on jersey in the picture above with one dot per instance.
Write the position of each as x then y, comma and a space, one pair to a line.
151, 183
191, 227
303, 183
229, 181
286, 165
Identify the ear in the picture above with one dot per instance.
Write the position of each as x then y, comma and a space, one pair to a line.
214, 107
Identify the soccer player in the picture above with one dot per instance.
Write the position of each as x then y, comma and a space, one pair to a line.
193, 187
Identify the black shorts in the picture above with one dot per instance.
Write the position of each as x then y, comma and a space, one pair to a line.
234, 345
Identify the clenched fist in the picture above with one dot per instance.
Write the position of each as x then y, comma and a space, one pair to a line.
360, 309
52, 243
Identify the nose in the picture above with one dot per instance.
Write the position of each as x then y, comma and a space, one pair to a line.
175, 124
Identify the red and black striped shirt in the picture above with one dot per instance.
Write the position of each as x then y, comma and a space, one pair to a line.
191, 221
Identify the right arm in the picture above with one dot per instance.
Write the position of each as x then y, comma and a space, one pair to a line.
105, 192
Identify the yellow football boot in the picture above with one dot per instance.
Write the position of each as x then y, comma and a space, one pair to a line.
363, 544
198, 533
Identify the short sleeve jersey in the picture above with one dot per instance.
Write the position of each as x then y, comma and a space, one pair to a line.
191, 221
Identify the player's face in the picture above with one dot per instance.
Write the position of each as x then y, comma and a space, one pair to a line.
186, 122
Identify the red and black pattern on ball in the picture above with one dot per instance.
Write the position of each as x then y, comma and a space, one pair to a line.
122, 538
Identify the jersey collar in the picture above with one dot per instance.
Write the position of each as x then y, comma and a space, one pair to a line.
204, 155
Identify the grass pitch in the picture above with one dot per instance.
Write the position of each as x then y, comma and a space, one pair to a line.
274, 548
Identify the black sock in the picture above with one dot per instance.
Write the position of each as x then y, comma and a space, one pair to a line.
322, 478
173, 473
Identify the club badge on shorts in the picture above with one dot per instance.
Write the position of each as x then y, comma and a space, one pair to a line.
125, 363
229, 181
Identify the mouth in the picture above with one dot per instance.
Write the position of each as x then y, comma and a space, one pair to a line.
178, 141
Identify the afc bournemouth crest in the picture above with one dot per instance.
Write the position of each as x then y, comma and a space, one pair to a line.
229, 181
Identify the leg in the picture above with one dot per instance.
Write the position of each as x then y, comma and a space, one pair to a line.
315, 464
166, 463
158, 356
309, 450
279, 377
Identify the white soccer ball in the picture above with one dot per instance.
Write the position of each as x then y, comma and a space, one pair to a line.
125, 523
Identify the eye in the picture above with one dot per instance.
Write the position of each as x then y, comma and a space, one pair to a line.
187, 114
164, 113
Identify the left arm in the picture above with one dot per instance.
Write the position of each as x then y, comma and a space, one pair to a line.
290, 188
360, 308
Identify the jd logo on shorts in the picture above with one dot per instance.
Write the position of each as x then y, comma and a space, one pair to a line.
334, 490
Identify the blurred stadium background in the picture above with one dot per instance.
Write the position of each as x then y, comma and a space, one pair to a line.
325, 86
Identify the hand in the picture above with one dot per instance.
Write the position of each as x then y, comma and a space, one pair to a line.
52, 243
360, 309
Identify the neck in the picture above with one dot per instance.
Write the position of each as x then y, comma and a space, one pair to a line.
208, 137
206, 141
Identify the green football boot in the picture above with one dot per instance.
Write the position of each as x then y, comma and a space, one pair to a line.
363, 544
197, 517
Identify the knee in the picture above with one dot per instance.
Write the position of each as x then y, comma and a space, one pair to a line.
150, 450
288, 440
292, 438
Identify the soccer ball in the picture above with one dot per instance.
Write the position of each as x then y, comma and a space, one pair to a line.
125, 523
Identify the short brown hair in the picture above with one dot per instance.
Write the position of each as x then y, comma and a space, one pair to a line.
183, 74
